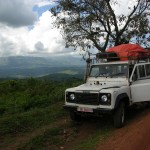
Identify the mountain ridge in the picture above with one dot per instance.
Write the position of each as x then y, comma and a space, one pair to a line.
26, 66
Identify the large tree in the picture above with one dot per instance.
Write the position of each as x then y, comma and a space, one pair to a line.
95, 23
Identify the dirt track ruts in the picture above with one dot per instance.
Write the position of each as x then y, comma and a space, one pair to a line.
135, 135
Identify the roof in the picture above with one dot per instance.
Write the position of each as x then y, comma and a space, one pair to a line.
113, 62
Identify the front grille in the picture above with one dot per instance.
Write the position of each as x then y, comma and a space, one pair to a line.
87, 98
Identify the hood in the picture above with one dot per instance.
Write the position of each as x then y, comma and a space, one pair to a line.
98, 85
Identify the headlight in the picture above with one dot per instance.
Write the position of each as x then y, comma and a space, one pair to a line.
72, 97
104, 98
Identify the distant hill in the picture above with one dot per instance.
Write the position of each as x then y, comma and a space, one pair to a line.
24, 66
62, 76
31, 62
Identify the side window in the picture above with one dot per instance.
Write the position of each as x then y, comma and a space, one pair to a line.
141, 71
135, 76
147, 66
130, 69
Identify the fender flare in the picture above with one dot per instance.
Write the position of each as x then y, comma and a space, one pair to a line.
119, 98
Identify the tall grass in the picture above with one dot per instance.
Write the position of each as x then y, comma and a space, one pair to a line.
28, 104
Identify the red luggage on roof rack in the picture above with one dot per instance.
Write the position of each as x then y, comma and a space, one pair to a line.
130, 51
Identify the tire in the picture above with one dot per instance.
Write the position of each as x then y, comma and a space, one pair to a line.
119, 115
74, 116
148, 105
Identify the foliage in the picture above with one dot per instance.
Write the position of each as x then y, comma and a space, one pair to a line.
28, 104
47, 139
34, 107
94, 139
26, 121
87, 23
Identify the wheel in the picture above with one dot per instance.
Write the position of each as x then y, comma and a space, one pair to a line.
119, 115
148, 105
74, 116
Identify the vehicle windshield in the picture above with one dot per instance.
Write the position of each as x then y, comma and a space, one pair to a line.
109, 70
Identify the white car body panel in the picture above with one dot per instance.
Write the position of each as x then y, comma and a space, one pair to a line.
136, 91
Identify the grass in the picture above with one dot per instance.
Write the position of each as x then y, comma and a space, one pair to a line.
93, 140
26, 121
27, 106
55, 138
50, 139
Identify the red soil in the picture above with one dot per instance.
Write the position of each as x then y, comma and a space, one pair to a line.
134, 135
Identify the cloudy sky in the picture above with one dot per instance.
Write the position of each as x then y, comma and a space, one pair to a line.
26, 28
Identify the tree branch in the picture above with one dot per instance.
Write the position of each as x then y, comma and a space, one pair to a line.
113, 15
106, 42
129, 18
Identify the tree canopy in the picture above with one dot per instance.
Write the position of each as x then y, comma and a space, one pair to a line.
95, 23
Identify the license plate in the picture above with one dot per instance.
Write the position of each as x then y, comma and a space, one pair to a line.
83, 109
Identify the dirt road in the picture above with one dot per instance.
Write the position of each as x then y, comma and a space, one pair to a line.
135, 135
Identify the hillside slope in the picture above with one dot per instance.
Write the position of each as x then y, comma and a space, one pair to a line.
23, 66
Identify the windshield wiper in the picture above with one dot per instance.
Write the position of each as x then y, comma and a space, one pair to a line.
97, 75
100, 75
117, 74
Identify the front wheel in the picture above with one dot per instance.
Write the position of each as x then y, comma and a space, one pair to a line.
74, 116
119, 115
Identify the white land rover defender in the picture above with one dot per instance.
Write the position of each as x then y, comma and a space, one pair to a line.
110, 87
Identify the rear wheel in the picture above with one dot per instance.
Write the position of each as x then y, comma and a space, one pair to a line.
119, 115
74, 116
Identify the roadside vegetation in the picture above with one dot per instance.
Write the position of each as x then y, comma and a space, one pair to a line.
27, 104
32, 116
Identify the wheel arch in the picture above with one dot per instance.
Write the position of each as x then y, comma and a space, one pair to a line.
122, 97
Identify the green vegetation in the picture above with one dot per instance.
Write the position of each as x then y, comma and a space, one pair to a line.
32, 116
47, 139
71, 72
94, 139
28, 104
24, 66
78, 29
62, 76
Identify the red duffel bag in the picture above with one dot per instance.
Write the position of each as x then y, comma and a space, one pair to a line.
129, 51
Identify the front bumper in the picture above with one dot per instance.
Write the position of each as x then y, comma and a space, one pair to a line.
96, 111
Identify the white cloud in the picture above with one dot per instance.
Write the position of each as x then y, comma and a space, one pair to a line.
19, 38
45, 33
11, 42
42, 3
124, 6
17, 13
42, 39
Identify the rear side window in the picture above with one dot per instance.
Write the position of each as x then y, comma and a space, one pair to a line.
142, 71
147, 66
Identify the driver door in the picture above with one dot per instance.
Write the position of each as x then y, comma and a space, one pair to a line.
140, 86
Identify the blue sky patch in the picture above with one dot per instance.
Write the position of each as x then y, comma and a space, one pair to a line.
41, 10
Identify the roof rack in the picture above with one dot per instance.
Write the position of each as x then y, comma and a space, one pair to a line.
112, 56
109, 56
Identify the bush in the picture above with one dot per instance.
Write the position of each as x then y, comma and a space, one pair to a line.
27, 104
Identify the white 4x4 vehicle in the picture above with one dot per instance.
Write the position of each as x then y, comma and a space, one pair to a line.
110, 88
